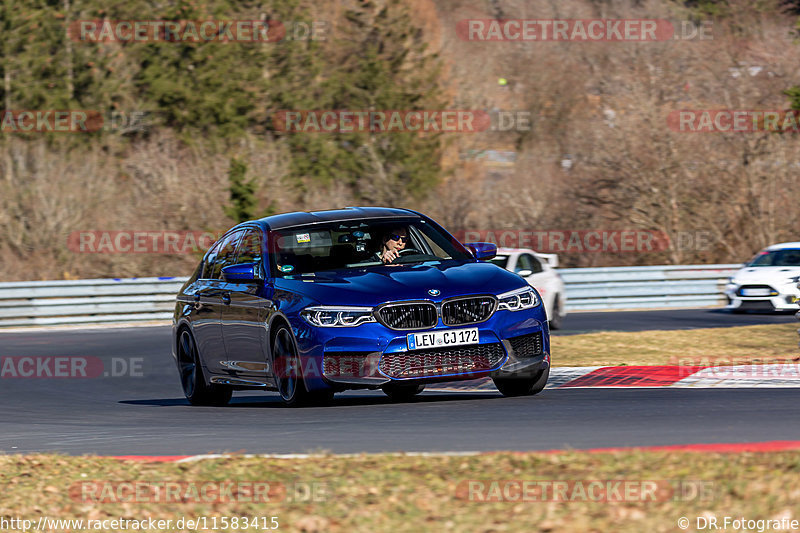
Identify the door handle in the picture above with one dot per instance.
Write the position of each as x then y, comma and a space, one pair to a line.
226, 298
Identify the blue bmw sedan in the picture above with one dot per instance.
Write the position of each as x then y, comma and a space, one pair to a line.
309, 304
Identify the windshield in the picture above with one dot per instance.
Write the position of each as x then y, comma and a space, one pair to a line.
788, 257
346, 245
499, 260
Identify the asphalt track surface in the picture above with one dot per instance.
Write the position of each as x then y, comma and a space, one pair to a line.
667, 319
146, 414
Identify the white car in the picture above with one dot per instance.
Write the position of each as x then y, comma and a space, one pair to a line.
539, 271
768, 281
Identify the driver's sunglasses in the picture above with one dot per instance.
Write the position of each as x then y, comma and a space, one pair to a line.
399, 238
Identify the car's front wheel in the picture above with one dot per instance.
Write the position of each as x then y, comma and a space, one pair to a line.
556, 319
195, 388
401, 393
291, 385
522, 386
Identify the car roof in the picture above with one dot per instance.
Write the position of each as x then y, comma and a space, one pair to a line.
783, 246
301, 218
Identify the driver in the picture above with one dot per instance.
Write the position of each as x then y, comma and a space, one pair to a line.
394, 241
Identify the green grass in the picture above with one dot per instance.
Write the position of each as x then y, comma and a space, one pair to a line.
412, 493
711, 346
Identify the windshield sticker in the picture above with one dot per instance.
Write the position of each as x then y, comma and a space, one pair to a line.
303, 237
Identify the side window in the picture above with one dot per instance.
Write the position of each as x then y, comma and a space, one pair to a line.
536, 265
226, 254
790, 258
208, 263
435, 248
523, 263
250, 251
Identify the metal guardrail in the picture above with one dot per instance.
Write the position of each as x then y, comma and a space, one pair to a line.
93, 301
646, 287
87, 301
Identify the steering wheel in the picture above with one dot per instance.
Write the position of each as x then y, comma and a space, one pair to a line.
408, 251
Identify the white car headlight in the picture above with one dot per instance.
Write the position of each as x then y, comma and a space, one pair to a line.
325, 316
524, 298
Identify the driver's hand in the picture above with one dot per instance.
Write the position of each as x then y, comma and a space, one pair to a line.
389, 256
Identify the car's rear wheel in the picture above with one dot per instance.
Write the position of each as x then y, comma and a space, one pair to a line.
401, 393
291, 385
556, 319
195, 388
522, 386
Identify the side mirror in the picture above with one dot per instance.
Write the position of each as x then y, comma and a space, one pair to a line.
525, 273
482, 250
243, 272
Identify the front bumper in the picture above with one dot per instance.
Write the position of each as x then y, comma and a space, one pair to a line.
372, 355
782, 298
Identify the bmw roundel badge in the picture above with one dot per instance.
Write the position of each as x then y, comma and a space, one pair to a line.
434, 292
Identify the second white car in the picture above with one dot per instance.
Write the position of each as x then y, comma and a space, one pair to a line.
768, 282
539, 271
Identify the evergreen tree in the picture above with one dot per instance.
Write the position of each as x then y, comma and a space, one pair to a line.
242, 192
794, 97
207, 86
381, 64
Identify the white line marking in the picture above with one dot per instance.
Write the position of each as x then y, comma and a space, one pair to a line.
320, 455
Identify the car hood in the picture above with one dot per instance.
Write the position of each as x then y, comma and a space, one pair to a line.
766, 275
373, 286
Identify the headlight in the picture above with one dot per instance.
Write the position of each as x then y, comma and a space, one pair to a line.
524, 298
337, 317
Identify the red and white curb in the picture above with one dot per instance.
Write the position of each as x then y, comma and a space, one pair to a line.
733, 376
773, 375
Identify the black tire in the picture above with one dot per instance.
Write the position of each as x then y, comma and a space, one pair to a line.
195, 388
556, 321
402, 393
522, 386
289, 375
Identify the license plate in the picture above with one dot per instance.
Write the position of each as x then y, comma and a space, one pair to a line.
438, 339
755, 292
